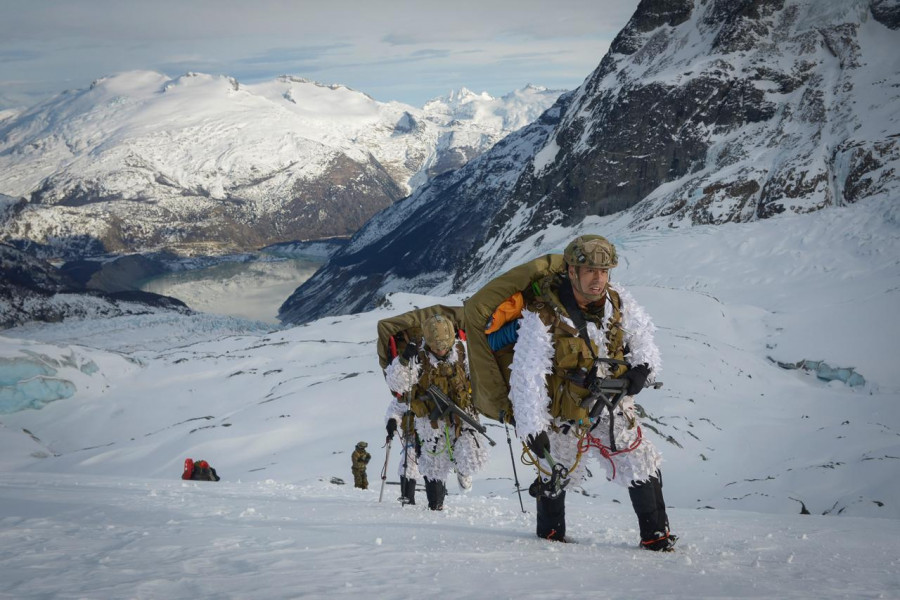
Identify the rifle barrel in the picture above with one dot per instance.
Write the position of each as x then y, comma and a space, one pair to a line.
445, 403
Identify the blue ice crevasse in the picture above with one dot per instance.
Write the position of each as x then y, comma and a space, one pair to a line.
32, 382
825, 372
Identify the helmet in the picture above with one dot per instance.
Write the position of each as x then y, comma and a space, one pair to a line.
439, 333
362, 444
591, 251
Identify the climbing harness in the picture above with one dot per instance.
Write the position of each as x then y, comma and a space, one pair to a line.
588, 441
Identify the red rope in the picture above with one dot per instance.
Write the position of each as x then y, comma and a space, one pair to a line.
589, 441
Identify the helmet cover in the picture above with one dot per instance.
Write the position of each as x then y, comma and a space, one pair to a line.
439, 333
591, 251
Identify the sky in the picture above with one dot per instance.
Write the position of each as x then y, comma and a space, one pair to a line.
91, 504
396, 50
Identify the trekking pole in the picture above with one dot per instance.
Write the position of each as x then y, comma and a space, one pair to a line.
387, 455
512, 458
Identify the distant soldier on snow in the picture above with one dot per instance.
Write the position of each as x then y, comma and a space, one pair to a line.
448, 442
360, 458
573, 321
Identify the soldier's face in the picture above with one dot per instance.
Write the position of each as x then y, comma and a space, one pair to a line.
588, 283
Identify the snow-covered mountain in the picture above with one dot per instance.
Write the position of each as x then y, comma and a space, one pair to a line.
203, 164
702, 112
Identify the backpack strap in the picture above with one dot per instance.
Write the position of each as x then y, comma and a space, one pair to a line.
567, 297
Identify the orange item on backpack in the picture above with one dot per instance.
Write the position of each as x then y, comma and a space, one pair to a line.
509, 310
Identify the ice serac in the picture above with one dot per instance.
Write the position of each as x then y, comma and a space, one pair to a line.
202, 164
702, 112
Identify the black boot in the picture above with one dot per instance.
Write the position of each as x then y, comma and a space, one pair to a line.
409, 491
650, 508
551, 517
435, 490
429, 492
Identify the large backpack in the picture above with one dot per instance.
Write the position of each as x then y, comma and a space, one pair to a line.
395, 332
199, 470
489, 370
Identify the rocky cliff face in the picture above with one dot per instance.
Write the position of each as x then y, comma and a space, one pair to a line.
702, 112
32, 289
202, 164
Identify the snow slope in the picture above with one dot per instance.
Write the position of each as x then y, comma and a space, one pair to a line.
93, 495
102, 537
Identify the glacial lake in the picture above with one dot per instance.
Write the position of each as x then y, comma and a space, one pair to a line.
250, 290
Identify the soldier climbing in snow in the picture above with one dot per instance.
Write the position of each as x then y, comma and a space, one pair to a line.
578, 350
448, 442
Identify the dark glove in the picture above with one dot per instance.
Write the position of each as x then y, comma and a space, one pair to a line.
637, 378
409, 352
391, 427
539, 444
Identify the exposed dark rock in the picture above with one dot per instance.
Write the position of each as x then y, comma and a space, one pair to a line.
22, 270
336, 204
148, 299
886, 12
741, 23
34, 290
406, 124
650, 15
121, 274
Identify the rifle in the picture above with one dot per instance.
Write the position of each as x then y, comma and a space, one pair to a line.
606, 393
445, 404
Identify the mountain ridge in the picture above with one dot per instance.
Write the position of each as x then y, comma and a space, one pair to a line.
700, 113
202, 163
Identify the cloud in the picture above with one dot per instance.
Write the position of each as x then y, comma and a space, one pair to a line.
297, 53
19, 55
401, 39
427, 53
396, 47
